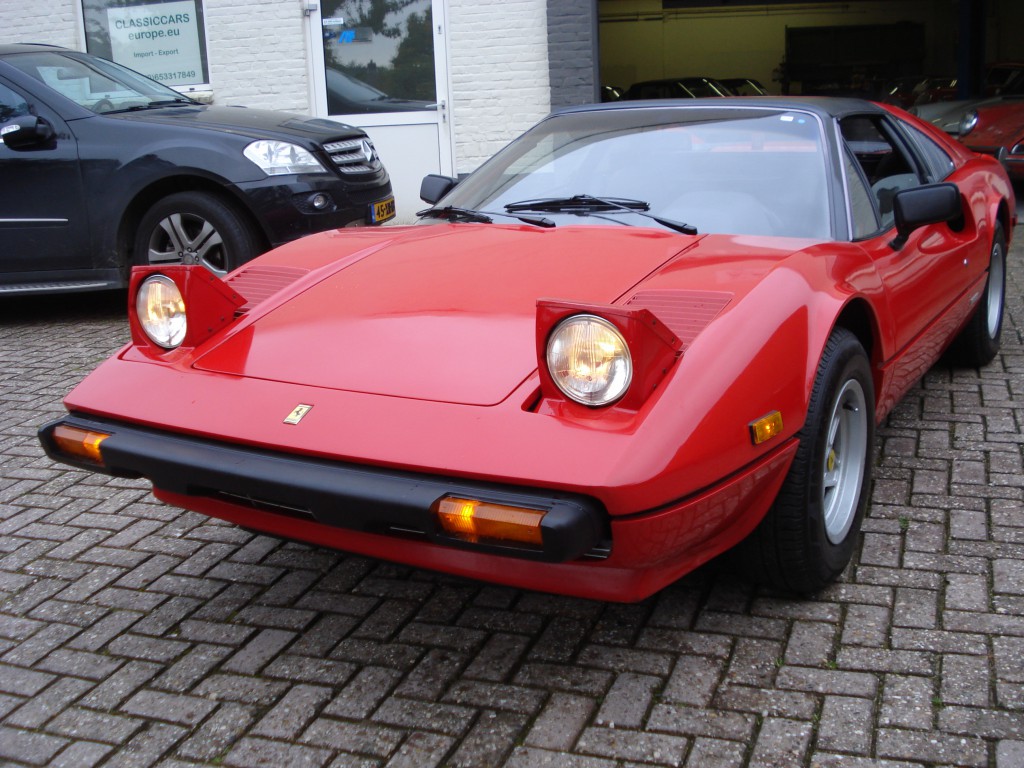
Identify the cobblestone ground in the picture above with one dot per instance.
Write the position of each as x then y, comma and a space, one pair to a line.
135, 634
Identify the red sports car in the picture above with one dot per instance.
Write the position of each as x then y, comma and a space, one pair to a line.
998, 130
637, 337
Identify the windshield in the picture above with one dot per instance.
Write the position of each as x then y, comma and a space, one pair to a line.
94, 83
721, 170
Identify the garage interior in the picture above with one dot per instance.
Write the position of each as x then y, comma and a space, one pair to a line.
854, 47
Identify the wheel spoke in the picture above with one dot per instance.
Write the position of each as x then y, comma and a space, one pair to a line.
210, 253
830, 481
166, 244
175, 229
163, 257
830, 476
202, 242
833, 430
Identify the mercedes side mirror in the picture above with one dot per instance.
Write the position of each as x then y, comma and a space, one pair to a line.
27, 132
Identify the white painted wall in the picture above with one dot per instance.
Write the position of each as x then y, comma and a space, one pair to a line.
59, 24
499, 74
257, 53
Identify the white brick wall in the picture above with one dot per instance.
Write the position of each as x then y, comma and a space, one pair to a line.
258, 54
499, 74
55, 24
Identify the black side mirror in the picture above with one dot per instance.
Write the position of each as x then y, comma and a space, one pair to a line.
914, 208
435, 186
26, 132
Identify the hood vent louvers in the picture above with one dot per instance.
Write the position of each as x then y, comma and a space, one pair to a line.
685, 313
257, 284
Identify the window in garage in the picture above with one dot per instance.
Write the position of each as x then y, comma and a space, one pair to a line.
163, 39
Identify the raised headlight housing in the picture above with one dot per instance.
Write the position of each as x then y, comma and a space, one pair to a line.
589, 360
176, 307
600, 356
160, 309
278, 158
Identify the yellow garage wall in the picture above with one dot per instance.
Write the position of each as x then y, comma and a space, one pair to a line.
639, 41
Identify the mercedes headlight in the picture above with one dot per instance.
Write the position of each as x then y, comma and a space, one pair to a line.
276, 158
161, 311
589, 361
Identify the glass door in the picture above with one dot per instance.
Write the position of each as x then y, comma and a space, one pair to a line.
382, 65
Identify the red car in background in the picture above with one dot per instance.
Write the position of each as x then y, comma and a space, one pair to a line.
998, 130
640, 335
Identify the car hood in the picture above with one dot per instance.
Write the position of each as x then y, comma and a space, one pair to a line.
946, 115
250, 123
443, 313
1003, 125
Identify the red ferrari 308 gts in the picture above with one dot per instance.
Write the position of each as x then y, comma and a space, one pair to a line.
642, 334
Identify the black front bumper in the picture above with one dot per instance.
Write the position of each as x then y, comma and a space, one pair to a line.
342, 495
282, 203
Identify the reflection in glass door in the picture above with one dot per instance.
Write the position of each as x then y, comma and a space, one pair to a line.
383, 68
378, 56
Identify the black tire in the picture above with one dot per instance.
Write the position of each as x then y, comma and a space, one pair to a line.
807, 538
195, 228
978, 343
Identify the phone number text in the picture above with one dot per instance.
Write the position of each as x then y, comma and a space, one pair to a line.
191, 73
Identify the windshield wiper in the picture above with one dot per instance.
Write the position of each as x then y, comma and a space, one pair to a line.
579, 203
453, 213
151, 105
585, 204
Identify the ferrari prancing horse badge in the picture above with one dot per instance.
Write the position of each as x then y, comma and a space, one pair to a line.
296, 415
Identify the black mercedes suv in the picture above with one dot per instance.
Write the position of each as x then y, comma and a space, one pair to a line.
102, 168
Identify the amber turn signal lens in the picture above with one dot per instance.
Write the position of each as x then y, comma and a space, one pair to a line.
476, 521
80, 443
765, 428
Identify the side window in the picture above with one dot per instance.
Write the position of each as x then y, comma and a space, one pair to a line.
862, 208
937, 162
11, 104
886, 166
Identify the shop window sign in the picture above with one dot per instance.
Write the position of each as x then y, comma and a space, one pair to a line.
163, 40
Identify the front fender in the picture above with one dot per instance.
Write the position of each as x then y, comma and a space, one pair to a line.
759, 355
118, 178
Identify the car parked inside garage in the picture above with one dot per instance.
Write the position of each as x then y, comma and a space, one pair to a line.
102, 168
677, 88
997, 130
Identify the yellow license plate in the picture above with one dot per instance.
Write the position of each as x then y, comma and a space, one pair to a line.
382, 211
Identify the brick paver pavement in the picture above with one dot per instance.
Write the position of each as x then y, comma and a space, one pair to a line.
135, 634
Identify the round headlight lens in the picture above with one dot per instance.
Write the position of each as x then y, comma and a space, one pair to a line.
967, 122
161, 311
589, 360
